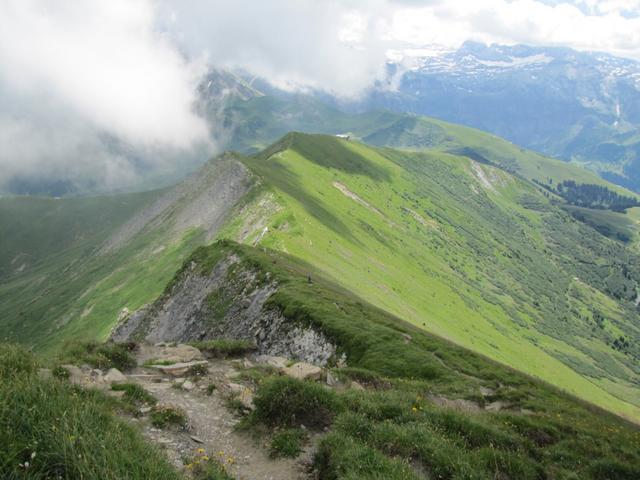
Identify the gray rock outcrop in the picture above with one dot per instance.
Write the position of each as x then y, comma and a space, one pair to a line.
230, 301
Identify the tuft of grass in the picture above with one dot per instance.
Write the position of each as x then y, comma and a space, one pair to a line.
224, 348
99, 355
198, 371
168, 416
204, 467
135, 394
51, 429
211, 388
60, 373
287, 443
343, 457
287, 402
362, 376
15, 361
155, 361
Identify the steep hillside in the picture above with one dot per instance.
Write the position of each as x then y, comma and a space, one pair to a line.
39, 229
92, 257
257, 122
461, 249
419, 407
456, 246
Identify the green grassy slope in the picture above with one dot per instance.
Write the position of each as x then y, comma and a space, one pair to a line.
396, 428
457, 247
78, 287
38, 228
461, 249
258, 122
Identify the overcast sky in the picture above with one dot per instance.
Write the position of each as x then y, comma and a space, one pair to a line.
92, 89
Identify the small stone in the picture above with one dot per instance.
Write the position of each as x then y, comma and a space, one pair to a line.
332, 380
246, 363
114, 376
272, 361
144, 410
246, 399
356, 386
44, 374
178, 369
236, 388
407, 338
485, 392
496, 406
303, 371
196, 439
188, 385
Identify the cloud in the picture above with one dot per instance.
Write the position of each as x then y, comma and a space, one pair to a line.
100, 94
333, 45
611, 25
91, 92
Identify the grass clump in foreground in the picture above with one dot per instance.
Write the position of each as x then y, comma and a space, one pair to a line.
287, 443
168, 416
50, 429
287, 402
204, 467
224, 348
99, 355
134, 395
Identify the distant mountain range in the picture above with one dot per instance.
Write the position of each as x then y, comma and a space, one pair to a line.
577, 106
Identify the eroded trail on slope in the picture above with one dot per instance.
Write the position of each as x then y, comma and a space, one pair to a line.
212, 428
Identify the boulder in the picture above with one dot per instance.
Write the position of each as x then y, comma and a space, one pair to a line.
272, 361
303, 371
167, 354
178, 369
114, 376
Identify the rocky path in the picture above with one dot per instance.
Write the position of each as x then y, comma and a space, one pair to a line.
211, 427
179, 376
211, 424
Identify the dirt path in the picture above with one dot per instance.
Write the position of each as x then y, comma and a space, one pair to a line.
212, 426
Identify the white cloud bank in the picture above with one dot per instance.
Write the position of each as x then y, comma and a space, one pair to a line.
91, 92
98, 93
611, 26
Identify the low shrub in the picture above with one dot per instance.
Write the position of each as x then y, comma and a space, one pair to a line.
99, 355
287, 402
339, 456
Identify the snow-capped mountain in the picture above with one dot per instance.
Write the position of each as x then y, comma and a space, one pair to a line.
580, 106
